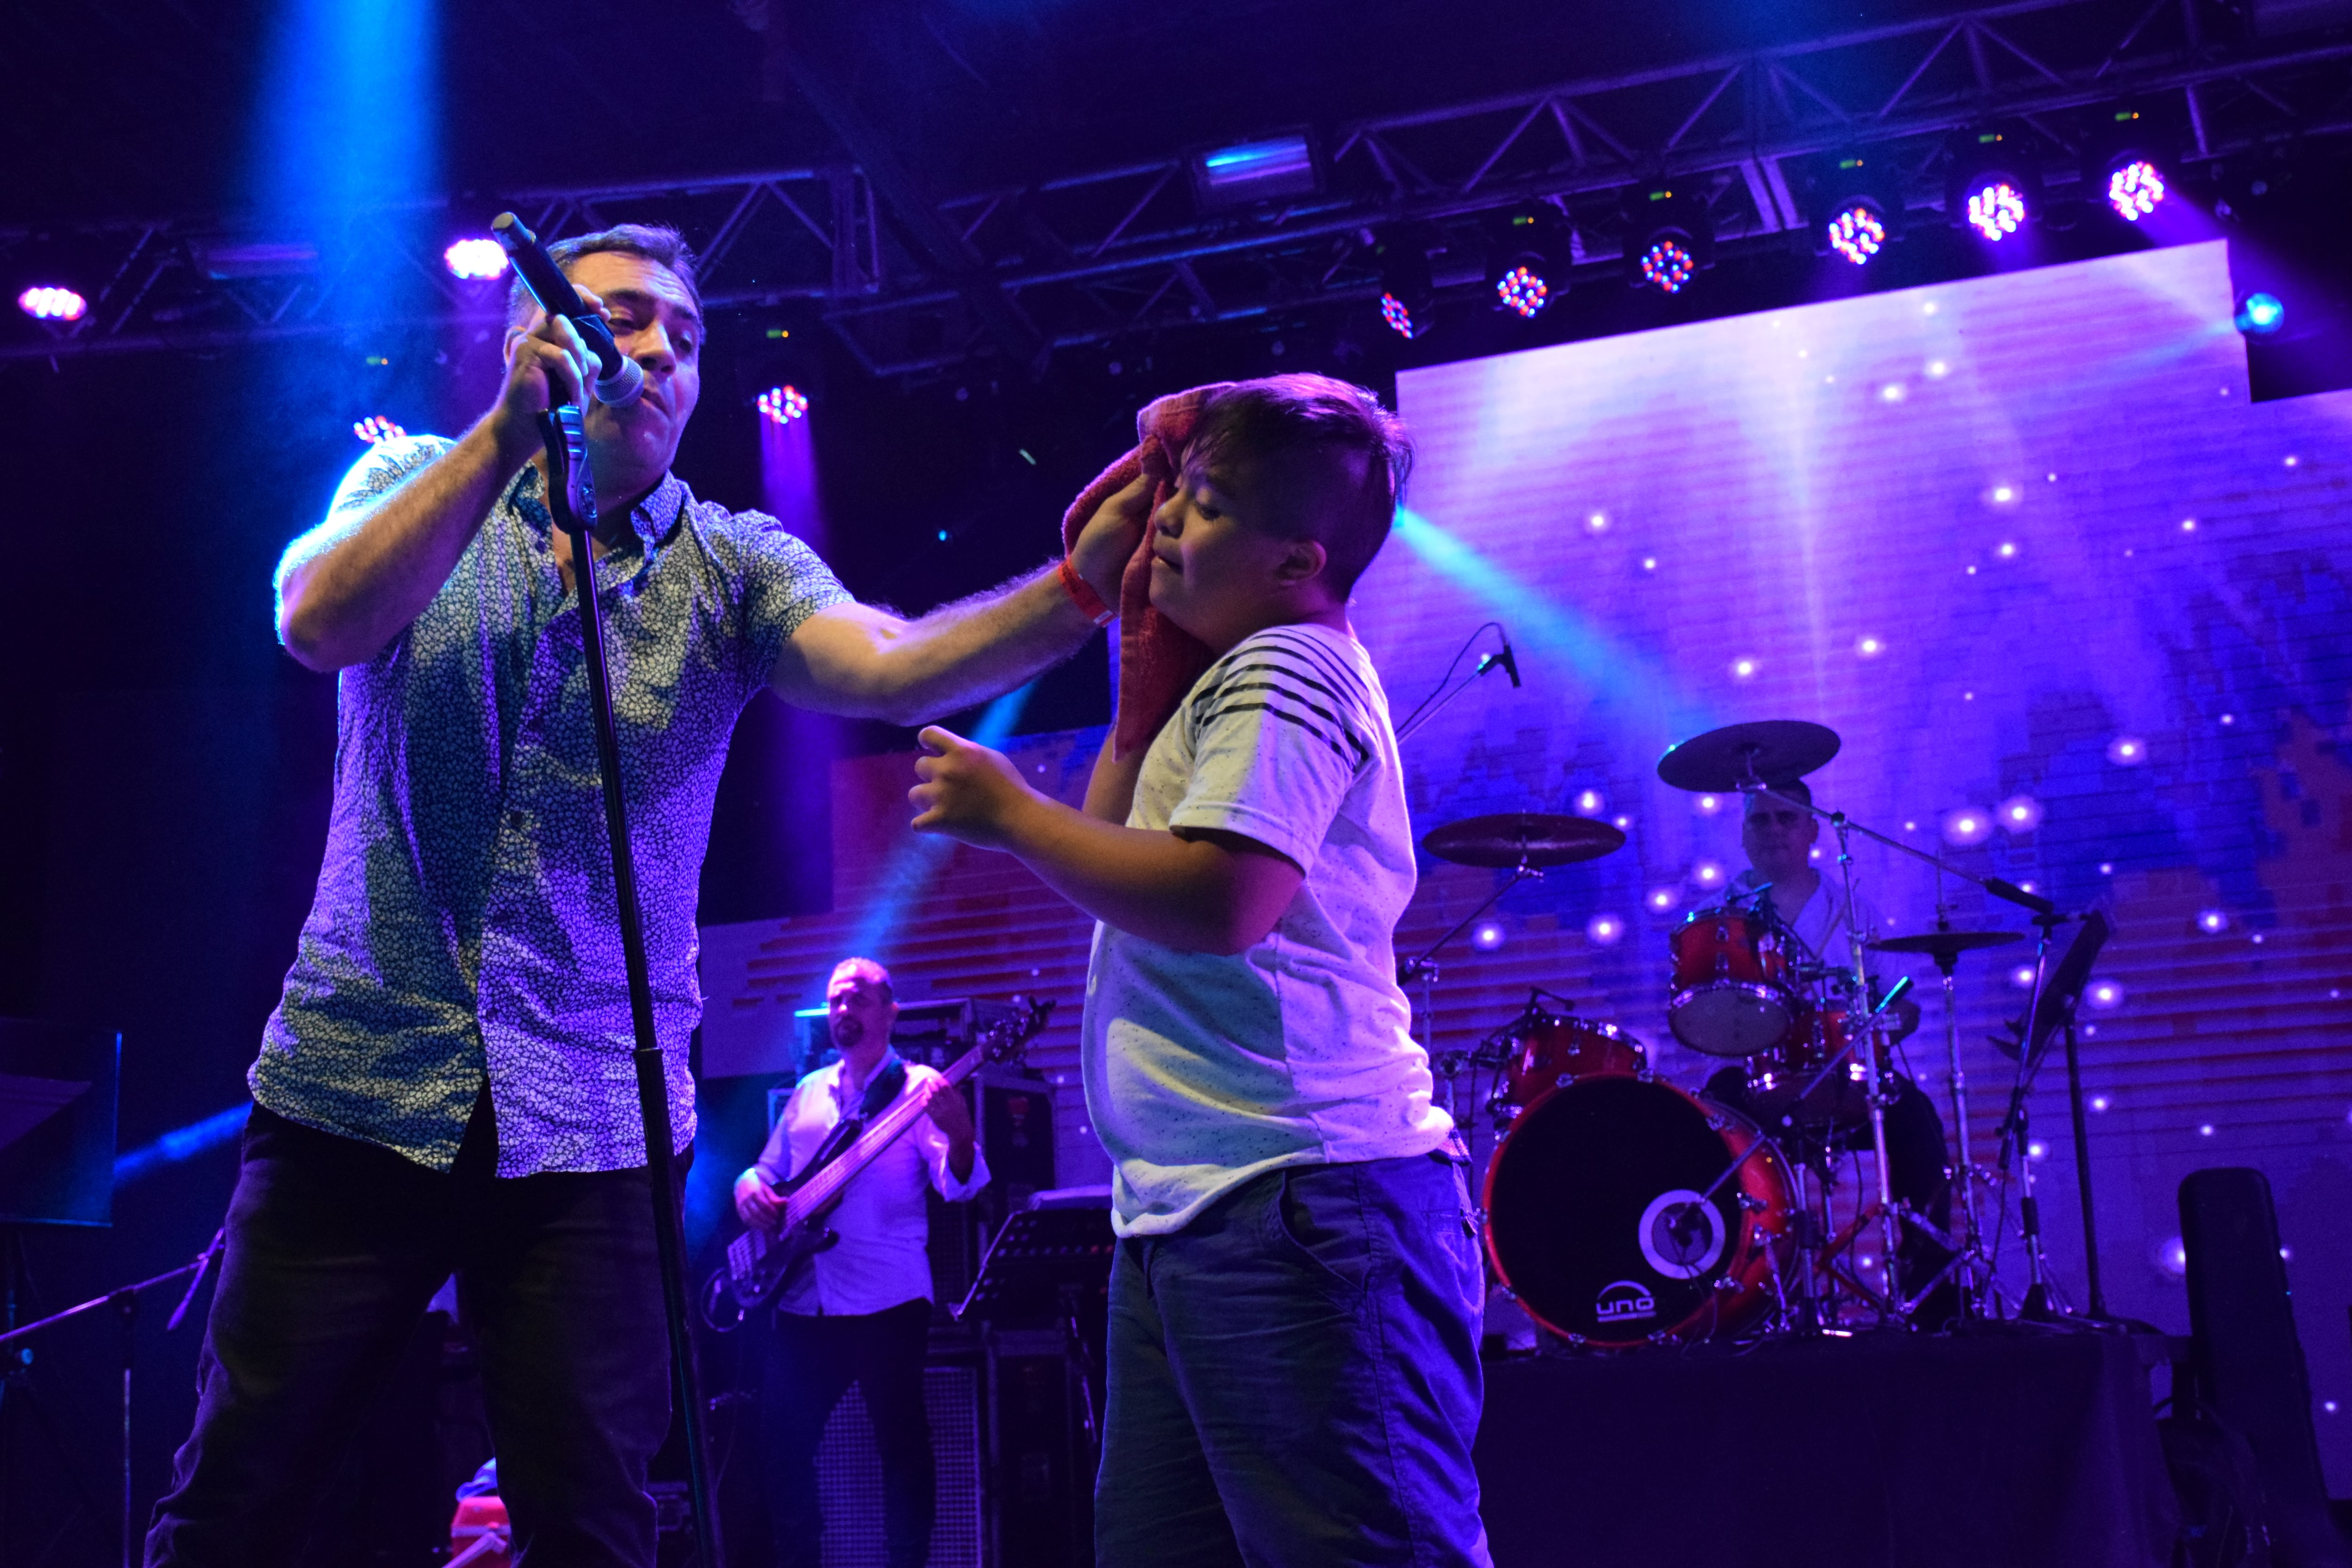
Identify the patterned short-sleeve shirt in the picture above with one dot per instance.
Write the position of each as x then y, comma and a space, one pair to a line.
465, 926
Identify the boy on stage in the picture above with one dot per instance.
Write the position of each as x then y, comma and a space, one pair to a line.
1295, 1301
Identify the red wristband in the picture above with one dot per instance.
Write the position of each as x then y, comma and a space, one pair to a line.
1088, 602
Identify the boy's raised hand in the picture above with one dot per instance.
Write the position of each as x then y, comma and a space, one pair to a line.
968, 791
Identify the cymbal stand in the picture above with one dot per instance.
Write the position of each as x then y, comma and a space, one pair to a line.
2015, 1140
1969, 1256
1421, 970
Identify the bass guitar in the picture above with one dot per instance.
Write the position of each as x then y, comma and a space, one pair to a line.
758, 1262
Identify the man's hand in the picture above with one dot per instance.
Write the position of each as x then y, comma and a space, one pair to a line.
951, 1113
1108, 541
756, 1204
968, 792
547, 364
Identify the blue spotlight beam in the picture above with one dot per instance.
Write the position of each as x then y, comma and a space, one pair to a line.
1543, 624
181, 1144
350, 107
918, 856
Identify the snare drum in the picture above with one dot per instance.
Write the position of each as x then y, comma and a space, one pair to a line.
1777, 1077
1548, 1053
1734, 989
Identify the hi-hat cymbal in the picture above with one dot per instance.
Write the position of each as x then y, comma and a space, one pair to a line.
1768, 750
1945, 945
1530, 838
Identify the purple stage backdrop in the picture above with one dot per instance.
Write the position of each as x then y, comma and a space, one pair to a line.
1956, 525
2083, 615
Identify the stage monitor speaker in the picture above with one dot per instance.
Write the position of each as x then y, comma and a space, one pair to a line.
1041, 1465
2248, 1359
849, 1474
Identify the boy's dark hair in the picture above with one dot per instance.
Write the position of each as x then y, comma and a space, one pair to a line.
658, 243
1306, 412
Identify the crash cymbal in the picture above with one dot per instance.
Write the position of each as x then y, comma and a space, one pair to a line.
1942, 945
1530, 838
1768, 750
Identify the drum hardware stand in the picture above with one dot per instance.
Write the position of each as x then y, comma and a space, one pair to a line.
124, 1300
1421, 970
2056, 995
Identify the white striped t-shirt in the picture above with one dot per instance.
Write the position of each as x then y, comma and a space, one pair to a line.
1203, 1070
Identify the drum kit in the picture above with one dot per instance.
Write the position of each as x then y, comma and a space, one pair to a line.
1623, 1210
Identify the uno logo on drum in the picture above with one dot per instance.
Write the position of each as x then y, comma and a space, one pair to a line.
1624, 1302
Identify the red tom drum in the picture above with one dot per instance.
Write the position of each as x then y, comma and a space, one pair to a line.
1549, 1052
1734, 991
1778, 1077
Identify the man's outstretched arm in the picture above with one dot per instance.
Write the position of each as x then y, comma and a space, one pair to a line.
866, 662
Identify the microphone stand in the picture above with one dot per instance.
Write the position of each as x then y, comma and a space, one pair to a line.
571, 498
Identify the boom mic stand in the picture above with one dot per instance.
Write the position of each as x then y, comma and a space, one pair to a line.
572, 497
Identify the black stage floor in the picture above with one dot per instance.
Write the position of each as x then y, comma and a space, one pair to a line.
1990, 1450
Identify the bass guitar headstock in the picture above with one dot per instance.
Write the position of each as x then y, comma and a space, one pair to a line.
1005, 1038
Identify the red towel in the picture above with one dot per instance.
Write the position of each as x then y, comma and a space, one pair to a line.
1158, 661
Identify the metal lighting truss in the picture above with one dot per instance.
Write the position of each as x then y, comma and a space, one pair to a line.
1117, 253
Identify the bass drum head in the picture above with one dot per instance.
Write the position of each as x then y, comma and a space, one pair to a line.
1596, 1222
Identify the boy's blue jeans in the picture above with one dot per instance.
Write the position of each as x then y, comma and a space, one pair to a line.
1294, 1377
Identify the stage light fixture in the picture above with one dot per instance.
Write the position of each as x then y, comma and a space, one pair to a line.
1989, 187
1408, 300
2259, 315
1857, 207
1252, 172
1523, 291
1857, 232
52, 302
475, 259
376, 430
2134, 189
1533, 259
1669, 237
782, 404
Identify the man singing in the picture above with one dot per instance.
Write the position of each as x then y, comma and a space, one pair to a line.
447, 1083
859, 1311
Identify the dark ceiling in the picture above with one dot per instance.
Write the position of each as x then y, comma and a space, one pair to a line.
144, 108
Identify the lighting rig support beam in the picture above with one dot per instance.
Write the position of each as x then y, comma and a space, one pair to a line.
1091, 257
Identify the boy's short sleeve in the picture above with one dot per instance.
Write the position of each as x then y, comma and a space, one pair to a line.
1281, 729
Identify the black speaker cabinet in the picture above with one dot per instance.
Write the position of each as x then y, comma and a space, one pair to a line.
2248, 1359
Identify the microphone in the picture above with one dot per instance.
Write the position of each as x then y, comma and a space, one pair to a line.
624, 379
1508, 660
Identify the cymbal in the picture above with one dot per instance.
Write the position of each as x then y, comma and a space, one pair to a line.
1769, 751
1531, 838
1945, 945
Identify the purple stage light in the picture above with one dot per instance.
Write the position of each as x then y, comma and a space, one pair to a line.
49, 302
782, 404
475, 259
1602, 931
1857, 233
1521, 290
1968, 824
1667, 266
1996, 209
2134, 189
1399, 318
375, 430
1489, 936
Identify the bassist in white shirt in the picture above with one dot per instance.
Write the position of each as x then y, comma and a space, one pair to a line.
858, 1311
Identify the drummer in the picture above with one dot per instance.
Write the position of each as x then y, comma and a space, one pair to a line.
1778, 836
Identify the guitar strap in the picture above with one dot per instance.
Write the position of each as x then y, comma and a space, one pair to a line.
881, 1091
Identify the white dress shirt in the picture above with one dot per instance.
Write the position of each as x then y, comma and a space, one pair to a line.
883, 1222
